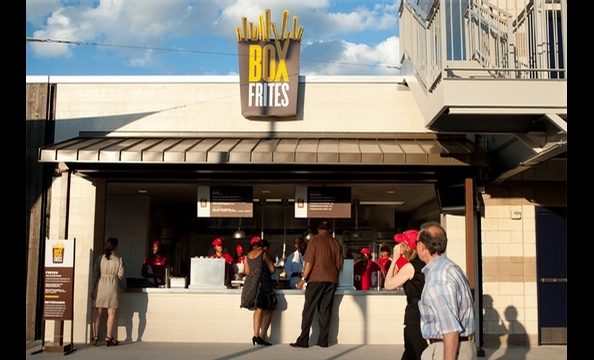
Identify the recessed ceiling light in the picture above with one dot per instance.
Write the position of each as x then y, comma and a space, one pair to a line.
142, 191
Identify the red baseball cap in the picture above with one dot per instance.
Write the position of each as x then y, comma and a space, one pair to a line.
365, 250
239, 249
254, 240
217, 241
409, 237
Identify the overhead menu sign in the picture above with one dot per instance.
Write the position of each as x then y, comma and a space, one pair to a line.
225, 201
322, 202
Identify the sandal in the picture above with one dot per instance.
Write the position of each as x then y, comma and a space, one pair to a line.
94, 340
109, 341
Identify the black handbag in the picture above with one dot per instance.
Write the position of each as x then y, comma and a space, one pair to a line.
264, 300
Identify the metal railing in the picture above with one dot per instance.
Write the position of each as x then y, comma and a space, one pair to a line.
481, 39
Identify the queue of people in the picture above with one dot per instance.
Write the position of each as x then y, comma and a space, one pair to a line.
439, 318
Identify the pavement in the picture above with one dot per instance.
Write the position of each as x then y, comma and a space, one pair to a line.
245, 351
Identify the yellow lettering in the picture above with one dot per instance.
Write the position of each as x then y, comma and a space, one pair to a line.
255, 63
282, 71
269, 63
282, 50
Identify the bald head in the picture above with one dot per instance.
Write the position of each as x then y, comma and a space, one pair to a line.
434, 237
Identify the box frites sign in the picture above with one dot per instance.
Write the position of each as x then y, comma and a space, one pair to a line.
269, 67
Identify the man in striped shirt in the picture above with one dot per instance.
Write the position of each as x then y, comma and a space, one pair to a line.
446, 305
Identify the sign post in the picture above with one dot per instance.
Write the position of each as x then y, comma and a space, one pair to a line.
59, 292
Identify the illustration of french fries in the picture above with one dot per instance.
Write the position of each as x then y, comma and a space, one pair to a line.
265, 28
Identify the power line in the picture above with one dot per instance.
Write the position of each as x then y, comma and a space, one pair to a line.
81, 43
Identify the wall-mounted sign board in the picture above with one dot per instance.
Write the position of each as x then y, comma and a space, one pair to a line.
322, 202
225, 201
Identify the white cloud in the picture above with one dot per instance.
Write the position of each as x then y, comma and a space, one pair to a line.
345, 31
340, 57
37, 10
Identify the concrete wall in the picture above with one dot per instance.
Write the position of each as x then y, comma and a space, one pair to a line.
212, 104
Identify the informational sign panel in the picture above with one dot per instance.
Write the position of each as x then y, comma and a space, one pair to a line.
59, 280
225, 201
322, 202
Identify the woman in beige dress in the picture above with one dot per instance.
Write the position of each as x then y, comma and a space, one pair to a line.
108, 271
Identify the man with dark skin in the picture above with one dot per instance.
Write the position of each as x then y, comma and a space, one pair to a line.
323, 261
294, 264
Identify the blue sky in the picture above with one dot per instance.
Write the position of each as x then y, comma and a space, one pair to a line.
191, 37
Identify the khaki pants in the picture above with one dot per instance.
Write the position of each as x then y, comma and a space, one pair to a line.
466, 351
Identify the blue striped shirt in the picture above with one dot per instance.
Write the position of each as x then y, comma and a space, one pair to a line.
446, 301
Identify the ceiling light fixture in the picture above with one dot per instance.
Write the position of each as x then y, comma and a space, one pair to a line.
239, 234
308, 234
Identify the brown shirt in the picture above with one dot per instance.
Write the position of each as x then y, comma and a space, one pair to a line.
325, 254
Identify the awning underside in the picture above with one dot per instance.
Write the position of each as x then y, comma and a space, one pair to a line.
424, 149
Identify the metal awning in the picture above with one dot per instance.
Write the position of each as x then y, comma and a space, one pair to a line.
403, 149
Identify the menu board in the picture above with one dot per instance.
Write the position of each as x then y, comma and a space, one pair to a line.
225, 201
322, 202
58, 284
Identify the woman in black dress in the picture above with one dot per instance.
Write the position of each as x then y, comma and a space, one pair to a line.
405, 271
259, 267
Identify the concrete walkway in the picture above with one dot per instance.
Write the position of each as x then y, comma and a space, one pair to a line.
211, 351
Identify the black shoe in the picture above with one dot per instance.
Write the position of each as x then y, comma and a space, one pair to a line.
323, 346
297, 345
258, 340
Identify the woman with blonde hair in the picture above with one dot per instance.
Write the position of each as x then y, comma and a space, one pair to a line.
405, 271
108, 271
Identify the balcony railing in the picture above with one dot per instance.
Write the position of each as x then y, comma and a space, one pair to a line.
479, 39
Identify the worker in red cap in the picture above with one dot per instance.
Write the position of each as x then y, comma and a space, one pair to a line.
254, 240
406, 271
238, 267
153, 266
221, 253
384, 260
367, 273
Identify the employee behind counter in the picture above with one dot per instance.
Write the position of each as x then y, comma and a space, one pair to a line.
154, 266
220, 253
